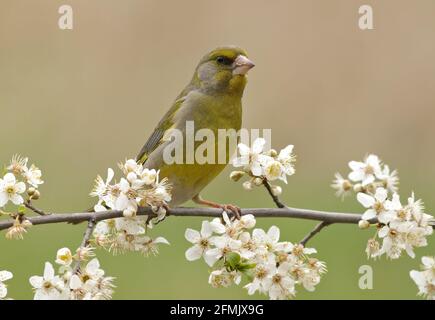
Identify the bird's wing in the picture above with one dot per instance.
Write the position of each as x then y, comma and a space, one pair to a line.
156, 137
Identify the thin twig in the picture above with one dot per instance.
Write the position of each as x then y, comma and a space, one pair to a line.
315, 231
332, 217
29, 205
280, 204
275, 198
85, 242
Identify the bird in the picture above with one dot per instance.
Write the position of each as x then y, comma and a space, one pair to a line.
211, 100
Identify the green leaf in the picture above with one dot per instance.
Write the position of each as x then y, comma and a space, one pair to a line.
232, 260
245, 266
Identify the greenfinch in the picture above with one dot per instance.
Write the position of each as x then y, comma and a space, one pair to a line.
212, 100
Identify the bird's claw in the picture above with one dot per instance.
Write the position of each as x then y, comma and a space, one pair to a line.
235, 210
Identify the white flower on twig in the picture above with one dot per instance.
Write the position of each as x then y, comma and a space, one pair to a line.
251, 159
366, 171
201, 243
375, 204
11, 190
425, 279
49, 286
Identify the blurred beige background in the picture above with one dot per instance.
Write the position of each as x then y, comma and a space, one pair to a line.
79, 101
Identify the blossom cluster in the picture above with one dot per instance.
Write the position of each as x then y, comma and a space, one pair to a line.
77, 278
4, 276
140, 187
261, 165
400, 227
126, 234
425, 279
19, 179
272, 267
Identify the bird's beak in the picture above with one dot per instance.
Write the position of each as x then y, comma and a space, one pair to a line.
242, 65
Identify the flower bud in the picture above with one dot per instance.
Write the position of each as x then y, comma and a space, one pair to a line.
131, 177
36, 195
347, 185
248, 185
273, 153
257, 181
31, 191
357, 187
276, 190
363, 224
236, 175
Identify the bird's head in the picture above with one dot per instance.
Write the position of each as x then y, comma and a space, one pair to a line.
223, 70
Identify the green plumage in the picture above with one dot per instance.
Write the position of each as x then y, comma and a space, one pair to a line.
211, 100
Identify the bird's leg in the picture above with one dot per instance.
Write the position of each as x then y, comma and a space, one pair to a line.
225, 207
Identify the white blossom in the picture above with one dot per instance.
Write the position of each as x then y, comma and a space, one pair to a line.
11, 190
140, 187
425, 279
342, 186
275, 268
4, 276
389, 179
273, 170
101, 186
251, 159
366, 171
375, 204
33, 176
224, 278
262, 274
279, 284
223, 246
201, 243
64, 257
287, 159
49, 286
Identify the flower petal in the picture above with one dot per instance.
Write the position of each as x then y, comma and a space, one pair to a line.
17, 199
366, 200
273, 234
48, 271
3, 199
258, 145
206, 229
36, 282
5, 275
192, 236
9, 178
381, 194
243, 149
193, 253
368, 215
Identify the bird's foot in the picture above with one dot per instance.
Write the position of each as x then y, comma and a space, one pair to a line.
228, 208
235, 210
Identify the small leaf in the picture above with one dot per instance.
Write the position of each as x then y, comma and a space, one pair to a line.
232, 260
246, 266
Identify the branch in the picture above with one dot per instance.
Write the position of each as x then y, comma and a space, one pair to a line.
85, 242
279, 204
29, 205
275, 198
315, 231
330, 217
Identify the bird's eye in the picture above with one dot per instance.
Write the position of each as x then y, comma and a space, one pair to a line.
224, 60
